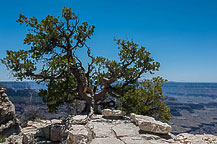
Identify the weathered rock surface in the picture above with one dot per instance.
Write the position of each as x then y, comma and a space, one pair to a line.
16, 139
106, 141
78, 134
196, 139
101, 130
126, 129
43, 131
112, 113
78, 119
149, 124
9, 124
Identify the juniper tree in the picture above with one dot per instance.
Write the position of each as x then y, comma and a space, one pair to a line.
52, 59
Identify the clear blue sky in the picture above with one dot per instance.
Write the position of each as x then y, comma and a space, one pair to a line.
180, 34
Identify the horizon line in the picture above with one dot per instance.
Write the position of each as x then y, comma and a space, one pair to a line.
166, 82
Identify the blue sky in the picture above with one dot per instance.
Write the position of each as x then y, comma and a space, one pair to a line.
180, 34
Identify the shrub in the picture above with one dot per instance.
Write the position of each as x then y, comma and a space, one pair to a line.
2, 139
147, 99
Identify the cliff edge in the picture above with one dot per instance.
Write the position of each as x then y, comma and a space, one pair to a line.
9, 124
112, 127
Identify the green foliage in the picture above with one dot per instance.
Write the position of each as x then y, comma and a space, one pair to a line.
2, 139
146, 99
53, 60
38, 120
48, 41
53, 43
59, 91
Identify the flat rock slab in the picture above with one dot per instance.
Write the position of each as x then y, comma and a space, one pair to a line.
126, 130
106, 141
196, 139
29, 130
133, 140
79, 130
39, 124
150, 137
112, 113
79, 119
78, 134
101, 129
149, 124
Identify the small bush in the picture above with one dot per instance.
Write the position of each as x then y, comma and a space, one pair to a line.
38, 120
147, 99
2, 139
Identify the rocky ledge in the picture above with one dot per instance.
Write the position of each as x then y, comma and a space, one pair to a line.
116, 129
112, 127
9, 124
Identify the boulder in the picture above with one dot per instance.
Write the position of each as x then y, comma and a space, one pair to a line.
51, 130
112, 113
54, 132
149, 124
9, 124
79, 119
16, 139
196, 139
78, 134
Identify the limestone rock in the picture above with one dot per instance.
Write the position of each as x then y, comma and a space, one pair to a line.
78, 134
16, 139
134, 140
38, 124
34, 129
196, 139
150, 137
126, 130
56, 132
54, 121
149, 124
106, 141
112, 113
9, 124
101, 129
25, 139
79, 119
51, 130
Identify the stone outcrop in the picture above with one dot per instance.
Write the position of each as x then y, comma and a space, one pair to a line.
78, 134
112, 113
43, 131
149, 124
9, 124
196, 139
104, 130
78, 120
